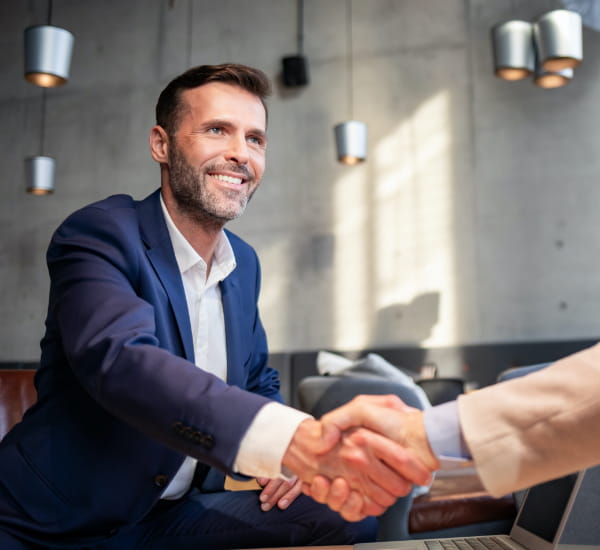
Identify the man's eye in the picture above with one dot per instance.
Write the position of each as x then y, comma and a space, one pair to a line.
215, 130
256, 140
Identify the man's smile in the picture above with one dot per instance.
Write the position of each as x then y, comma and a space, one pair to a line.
236, 180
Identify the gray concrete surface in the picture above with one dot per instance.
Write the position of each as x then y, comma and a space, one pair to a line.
474, 220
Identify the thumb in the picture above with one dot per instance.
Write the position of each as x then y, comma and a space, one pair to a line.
330, 437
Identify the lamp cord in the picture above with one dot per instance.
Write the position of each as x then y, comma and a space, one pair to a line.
300, 23
49, 11
43, 122
350, 57
189, 32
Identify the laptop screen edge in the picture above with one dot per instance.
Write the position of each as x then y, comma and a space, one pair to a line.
533, 542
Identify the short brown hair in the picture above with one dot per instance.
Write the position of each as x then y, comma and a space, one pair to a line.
168, 106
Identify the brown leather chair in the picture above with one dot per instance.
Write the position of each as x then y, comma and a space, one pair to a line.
17, 394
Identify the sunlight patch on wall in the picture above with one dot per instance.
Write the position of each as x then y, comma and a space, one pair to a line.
413, 209
352, 314
395, 241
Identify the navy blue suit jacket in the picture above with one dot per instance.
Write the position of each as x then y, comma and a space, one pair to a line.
120, 401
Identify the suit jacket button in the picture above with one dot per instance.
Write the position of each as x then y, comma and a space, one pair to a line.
161, 480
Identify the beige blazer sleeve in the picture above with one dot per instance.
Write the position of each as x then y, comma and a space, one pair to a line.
538, 427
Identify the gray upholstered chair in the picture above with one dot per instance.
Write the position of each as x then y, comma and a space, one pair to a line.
441, 389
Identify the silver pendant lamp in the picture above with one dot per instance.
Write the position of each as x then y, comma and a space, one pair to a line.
39, 175
39, 169
48, 51
350, 136
558, 40
552, 79
512, 43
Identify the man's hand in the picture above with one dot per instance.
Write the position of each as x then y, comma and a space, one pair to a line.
278, 492
376, 469
387, 415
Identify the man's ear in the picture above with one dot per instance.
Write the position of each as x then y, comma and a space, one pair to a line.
159, 144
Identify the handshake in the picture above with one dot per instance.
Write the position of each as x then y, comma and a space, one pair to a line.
359, 458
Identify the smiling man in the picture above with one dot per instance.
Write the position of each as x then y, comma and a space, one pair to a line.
153, 378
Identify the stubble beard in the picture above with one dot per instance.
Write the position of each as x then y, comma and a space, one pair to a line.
196, 200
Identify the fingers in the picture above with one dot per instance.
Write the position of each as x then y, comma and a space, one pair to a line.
393, 419
379, 469
288, 497
352, 508
280, 493
337, 495
320, 490
380, 413
397, 468
330, 436
375, 470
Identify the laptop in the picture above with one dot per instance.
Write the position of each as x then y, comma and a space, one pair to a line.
539, 524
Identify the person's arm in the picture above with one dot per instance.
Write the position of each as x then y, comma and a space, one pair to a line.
111, 322
444, 432
519, 433
537, 427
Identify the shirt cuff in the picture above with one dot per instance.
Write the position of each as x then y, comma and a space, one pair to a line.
268, 437
442, 425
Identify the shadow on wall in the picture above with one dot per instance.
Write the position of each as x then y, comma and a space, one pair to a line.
407, 323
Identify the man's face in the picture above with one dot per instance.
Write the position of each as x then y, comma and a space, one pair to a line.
217, 158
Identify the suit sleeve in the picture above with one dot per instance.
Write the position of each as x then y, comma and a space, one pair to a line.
538, 427
108, 337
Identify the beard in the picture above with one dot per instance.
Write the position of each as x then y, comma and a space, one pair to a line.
195, 199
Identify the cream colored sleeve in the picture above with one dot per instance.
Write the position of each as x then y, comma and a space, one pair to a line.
535, 428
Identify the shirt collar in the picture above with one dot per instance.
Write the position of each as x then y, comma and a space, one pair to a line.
223, 260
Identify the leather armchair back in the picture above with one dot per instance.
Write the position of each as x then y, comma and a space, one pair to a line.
17, 394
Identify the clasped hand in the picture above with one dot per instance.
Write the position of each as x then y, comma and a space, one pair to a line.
359, 458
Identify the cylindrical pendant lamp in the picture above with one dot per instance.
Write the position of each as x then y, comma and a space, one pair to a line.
548, 79
512, 43
558, 39
350, 136
39, 175
48, 51
351, 141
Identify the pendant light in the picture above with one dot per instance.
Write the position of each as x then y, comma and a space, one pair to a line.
295, 67
39, 169
48, 52
552, 79
558, 40
350, 136
512, 43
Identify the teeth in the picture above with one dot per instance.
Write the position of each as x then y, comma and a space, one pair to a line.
227, 179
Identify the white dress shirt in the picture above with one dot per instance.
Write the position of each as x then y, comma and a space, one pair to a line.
264, 444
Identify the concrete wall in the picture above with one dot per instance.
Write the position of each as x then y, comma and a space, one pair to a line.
473, 221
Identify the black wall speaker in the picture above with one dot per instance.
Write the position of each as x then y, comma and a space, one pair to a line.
295, 70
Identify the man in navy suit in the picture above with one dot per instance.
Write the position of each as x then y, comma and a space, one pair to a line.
153, 377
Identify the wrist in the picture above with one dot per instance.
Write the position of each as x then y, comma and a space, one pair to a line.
298, 456
311, 439
416, 438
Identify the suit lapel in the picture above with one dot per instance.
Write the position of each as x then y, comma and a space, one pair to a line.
230, 295
159, 251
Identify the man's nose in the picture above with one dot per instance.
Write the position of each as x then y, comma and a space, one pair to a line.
237, 149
